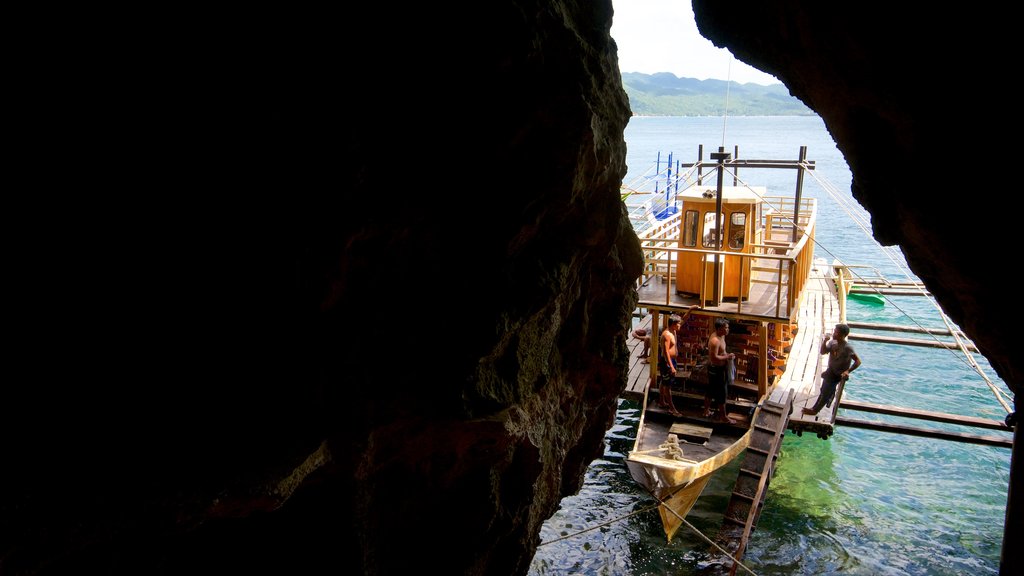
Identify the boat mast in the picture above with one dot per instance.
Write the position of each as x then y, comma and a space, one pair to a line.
721, 156
799, 193
700, 165
736, 169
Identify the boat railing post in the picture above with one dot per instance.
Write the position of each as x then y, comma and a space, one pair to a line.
703, 277
778, 290
669, 253
762, 361
675, 193
655, 347
739, 289
841, 291
790, 293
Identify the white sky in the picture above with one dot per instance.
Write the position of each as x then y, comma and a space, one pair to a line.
661, 36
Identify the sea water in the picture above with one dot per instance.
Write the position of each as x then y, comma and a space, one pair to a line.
862, 502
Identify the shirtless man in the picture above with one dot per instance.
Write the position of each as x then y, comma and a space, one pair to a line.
717, 382
667, 364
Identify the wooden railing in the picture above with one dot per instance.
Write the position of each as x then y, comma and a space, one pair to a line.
655, 239
666, 269
794, 260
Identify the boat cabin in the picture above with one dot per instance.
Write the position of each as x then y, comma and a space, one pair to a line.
735, 229
728, 249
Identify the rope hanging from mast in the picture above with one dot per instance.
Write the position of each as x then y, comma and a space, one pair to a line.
728, 83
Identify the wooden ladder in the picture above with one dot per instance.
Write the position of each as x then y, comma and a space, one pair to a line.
755, 473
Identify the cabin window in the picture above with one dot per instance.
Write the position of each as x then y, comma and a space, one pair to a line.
690, 229
710, 231
737, 230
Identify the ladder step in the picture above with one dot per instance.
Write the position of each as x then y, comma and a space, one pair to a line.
734, 521
743, 496
754, 473
758, 450
764, 429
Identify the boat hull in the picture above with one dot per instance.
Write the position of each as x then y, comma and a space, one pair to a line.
678, 483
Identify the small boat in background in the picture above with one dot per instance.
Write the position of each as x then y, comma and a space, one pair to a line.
848, 287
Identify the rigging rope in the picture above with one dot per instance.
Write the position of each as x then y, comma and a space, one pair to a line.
595, 527
648, 509
889, 251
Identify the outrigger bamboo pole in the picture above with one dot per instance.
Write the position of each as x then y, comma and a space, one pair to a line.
910, 341
899, 328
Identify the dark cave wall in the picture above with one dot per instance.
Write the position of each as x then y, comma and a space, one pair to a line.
373, 320
271, 341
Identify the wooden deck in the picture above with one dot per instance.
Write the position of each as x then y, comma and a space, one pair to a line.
766, 300
639, 369
818, 314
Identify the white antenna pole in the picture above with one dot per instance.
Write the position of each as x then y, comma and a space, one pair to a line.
728, 83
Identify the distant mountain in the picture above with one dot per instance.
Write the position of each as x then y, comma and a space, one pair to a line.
665, 94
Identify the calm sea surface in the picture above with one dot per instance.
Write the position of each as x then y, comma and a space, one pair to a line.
862, 502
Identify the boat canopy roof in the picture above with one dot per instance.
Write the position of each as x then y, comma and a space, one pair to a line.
730, 194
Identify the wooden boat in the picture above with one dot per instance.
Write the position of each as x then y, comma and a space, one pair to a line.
738, 253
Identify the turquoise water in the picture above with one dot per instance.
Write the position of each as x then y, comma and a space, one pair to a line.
862, 502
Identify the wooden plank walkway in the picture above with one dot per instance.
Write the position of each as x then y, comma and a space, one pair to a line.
818, 314
639, 369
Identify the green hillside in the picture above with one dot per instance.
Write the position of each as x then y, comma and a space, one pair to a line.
665, 94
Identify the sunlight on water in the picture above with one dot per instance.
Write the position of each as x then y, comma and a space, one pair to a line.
861, 503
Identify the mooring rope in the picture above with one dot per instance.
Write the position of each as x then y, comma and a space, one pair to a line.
648, 509
595, 527
706, 539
